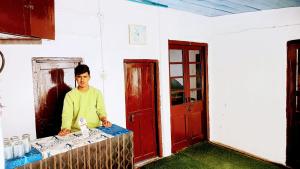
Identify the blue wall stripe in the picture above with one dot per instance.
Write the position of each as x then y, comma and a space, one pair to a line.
149, 3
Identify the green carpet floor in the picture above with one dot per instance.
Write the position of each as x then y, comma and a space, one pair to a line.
209, 156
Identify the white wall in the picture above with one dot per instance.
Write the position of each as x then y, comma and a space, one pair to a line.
247, 80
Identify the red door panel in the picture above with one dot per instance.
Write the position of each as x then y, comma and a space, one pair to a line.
133, 88
137, 137
148, 146
179, 130
140, 108
195, 122
195, 127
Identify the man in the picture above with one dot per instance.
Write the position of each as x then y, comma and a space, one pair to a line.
85, 102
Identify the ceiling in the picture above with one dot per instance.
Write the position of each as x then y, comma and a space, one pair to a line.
213, 8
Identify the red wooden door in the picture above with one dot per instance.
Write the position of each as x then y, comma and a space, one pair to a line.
141, 108
293, 105
187, 88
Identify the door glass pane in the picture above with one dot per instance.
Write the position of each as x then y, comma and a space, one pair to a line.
193, 82
175, 55
195, 95
177, 98
195, 69
192, 69
176, 70
194, 56
177, 84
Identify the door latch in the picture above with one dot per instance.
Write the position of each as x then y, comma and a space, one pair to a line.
189, 108
132, 118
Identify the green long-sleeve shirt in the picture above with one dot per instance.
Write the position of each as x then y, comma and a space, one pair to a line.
88, 104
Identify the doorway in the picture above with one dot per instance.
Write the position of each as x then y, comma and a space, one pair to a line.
293, 104
142, 114
188, 92
52, 79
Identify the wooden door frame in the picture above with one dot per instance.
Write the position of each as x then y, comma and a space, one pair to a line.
206, 87
157, 95
36, 67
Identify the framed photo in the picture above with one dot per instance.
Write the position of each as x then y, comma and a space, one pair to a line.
137, 35
2, 61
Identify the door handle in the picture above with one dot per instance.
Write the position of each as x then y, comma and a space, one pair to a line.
187, 99
29, 6
132, 118
190, 106
189, 109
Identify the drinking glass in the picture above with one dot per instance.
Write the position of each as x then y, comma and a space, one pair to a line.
8, 149
26, 142
18, 149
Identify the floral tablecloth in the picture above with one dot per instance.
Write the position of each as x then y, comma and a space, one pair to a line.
49, 146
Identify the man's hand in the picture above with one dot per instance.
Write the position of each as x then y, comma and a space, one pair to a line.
64, 132
105, 122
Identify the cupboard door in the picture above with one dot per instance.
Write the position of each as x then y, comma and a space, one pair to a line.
12, 17
42, 19
28, 17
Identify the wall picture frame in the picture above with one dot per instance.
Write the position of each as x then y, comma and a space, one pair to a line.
137, 34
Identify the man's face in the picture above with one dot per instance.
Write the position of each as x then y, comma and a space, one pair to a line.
83, 80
